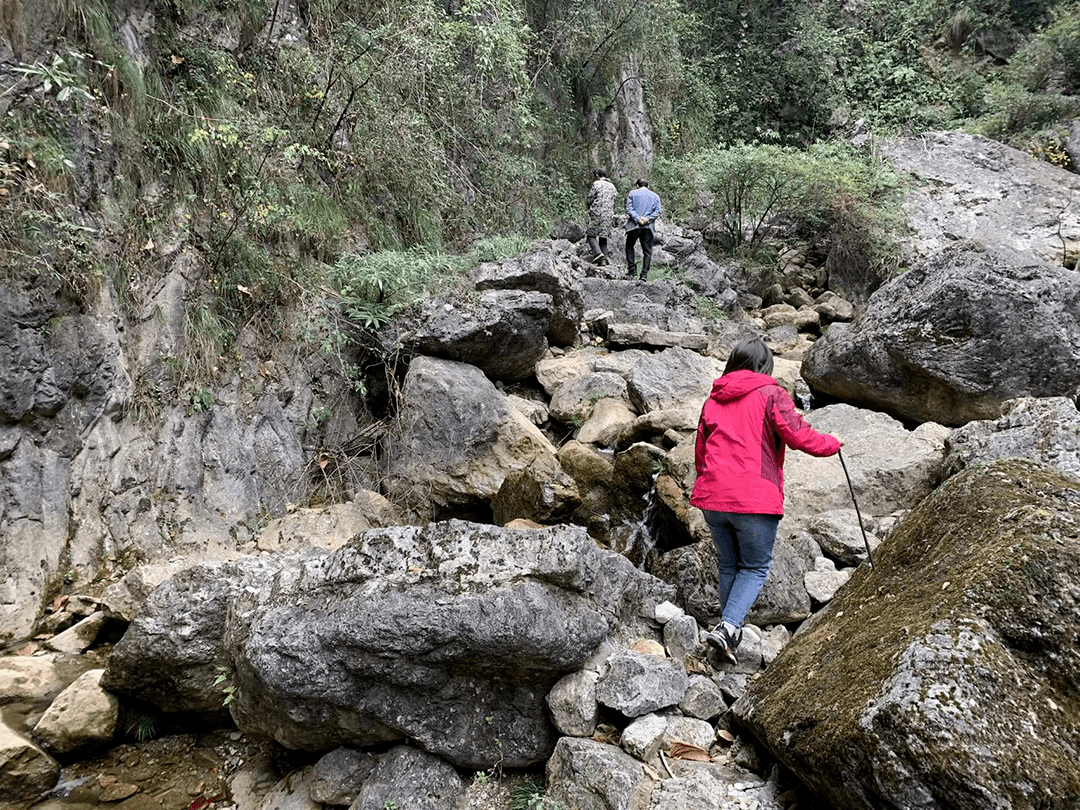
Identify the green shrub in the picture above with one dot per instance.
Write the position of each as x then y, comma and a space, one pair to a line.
377, 286
1016, 111
1050, 60
831, 194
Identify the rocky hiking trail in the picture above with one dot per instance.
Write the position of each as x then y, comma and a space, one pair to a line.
481, 618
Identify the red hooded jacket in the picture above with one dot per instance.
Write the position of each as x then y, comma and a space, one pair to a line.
745, 425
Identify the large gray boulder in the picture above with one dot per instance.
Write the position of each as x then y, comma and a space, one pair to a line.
500, 331
943, 678
174, 650
545, 269
455, 441
954, 338
1046, 430
450, 635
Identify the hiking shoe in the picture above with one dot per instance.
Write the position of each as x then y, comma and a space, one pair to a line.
725, 642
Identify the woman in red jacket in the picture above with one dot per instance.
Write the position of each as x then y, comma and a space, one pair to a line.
745, 425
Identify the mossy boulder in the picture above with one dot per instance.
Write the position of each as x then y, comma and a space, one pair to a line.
949, 675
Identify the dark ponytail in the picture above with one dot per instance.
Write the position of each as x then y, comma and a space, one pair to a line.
750, 355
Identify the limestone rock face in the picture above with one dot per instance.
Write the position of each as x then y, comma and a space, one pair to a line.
971, 187
87, 474
606, 423
838, 534
954, 338
624, 127
450, 635
947, 676
54, 383
456, 440
1046, 430
125, 599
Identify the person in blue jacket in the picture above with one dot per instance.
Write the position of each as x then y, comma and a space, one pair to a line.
642, 210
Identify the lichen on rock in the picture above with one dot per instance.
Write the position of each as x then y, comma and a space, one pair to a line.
947, 675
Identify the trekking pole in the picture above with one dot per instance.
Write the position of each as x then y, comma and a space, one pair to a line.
858, 514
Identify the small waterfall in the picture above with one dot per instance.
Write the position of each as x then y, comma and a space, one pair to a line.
641, 538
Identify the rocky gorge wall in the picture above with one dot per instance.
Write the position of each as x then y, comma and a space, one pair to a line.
551, 392
97, 474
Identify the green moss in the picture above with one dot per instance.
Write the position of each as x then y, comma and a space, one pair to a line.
970, 598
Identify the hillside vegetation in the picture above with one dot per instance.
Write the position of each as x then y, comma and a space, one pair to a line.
324, 145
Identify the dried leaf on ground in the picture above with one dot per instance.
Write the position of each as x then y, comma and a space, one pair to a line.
606, 733
681, 750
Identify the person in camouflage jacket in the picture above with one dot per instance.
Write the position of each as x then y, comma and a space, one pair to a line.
601, 202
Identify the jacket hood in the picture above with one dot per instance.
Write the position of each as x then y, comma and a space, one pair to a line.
737, 384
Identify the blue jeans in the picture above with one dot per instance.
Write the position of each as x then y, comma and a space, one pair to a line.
744, 546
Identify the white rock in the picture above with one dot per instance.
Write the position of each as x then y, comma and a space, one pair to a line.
83, 715
80, 637
666, 611
26, 678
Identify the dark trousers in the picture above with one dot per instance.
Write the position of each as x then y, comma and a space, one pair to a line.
645, 236
598, 246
